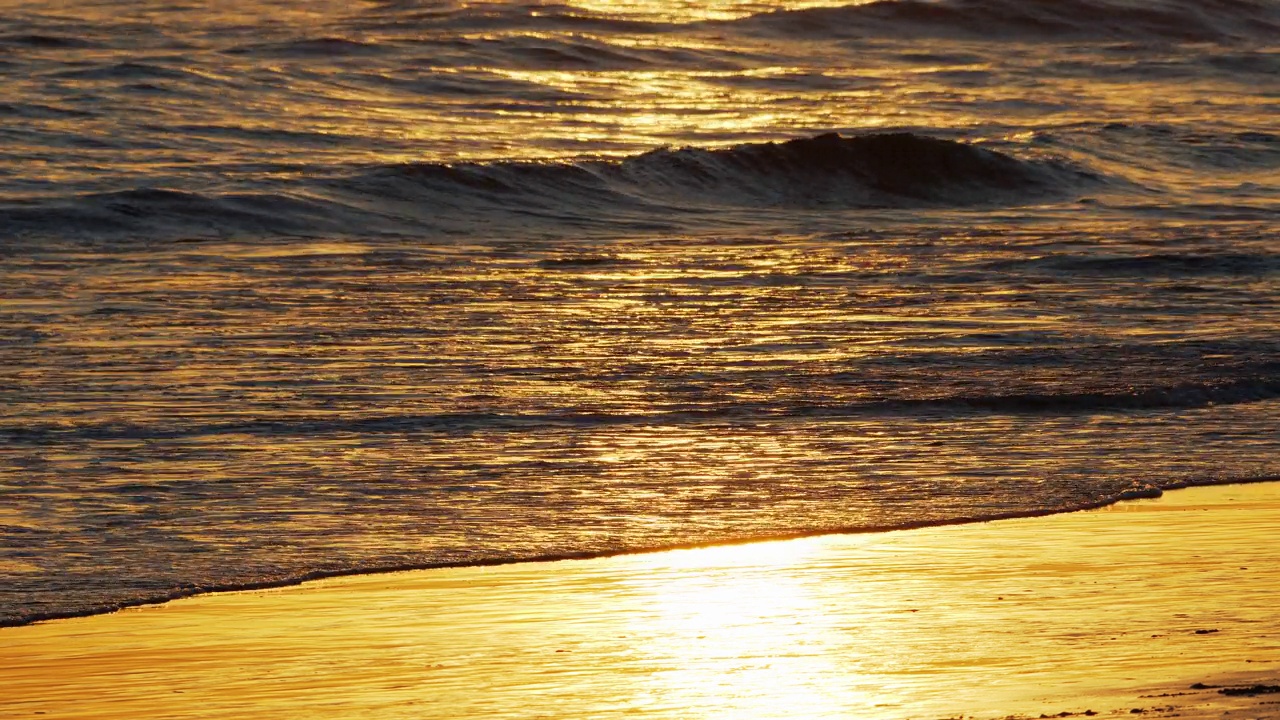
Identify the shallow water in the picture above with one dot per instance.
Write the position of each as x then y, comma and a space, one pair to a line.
300, 287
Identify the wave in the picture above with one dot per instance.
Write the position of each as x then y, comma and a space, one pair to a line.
49, 41
125, 71
1176, 396
516, 51
160, 212
477, 18
1151, 265
42, 111
891, 170
1135, 491
482, 87
877, 171
325, 47
1127, 20
1179, 396
1158, 20
1197, 149
880, 170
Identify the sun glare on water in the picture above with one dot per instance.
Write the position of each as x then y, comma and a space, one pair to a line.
685, 11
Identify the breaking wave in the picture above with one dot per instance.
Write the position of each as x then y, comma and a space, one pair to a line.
887, 170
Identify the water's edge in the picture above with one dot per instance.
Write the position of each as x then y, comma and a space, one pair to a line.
1136, 493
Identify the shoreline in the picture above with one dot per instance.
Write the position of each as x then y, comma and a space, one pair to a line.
1143, 492
1110, 611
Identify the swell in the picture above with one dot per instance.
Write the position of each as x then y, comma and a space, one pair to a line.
1136, 491
161, 212
1150, 265
478, 18
1169, 20
887, 170
1180, 396
1220, 21
518, 51
1193, 148
48, 41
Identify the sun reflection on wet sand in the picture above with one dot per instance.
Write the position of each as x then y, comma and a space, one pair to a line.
1072, 612
713, 617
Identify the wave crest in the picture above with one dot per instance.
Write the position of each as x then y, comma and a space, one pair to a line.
879, 170
1166, 20
884, 171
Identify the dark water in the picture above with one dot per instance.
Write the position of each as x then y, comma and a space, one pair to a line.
299, 287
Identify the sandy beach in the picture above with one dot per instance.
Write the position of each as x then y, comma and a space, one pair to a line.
1148, 607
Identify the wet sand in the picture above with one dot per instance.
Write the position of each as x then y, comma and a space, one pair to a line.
1117, 611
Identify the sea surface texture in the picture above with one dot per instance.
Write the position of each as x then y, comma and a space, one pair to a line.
293, 287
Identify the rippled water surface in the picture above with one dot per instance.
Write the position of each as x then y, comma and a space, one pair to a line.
299, 287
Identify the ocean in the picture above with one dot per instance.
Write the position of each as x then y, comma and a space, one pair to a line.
294, 288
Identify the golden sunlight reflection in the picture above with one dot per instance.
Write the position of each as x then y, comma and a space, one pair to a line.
1066, 613
695, 10
732, 626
